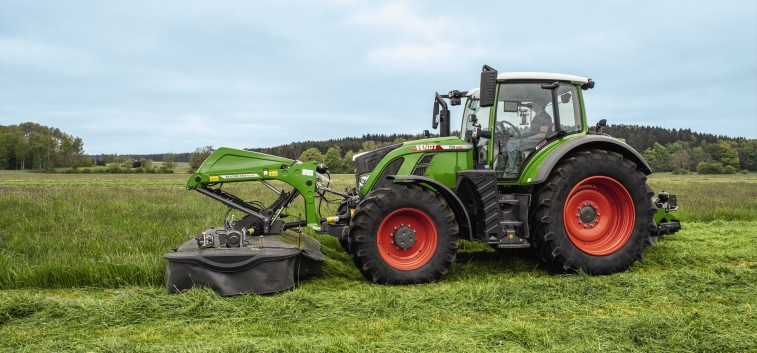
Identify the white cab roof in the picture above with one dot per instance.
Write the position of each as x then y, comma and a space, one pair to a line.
532, 76
540, 76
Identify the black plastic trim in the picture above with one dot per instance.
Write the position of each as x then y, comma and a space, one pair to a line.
391, 169
590, 142
449, 195
367, 162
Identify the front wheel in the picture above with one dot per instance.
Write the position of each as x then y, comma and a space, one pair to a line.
403, 234
594, 213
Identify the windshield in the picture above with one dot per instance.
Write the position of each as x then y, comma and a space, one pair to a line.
525, 117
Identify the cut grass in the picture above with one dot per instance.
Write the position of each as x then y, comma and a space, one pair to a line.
81, 269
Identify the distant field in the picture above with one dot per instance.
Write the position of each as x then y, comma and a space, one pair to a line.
81, 269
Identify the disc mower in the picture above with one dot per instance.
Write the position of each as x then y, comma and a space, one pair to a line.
525, 171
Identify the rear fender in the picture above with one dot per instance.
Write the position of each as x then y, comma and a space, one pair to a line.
454, 202
600, 142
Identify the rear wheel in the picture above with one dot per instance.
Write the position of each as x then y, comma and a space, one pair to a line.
594, 213
403, 234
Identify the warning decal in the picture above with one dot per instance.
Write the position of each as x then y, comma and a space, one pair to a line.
239, 176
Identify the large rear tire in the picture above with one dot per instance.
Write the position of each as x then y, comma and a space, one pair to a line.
403, 234
594, 213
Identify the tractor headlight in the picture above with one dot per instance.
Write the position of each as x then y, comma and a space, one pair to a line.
362, 180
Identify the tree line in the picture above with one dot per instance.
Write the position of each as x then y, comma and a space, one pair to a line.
336, 153
35, 146
157, 157
682, 151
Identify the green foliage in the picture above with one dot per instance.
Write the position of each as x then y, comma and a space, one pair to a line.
311, 154
333, 160
114, 168
710, 168
199, 156
35, 146
658, 158
725, 153
169, 162
348, 163
729, 170
681, 171
680, 160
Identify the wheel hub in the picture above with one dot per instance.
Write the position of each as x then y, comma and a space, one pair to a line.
588, 214
404, 237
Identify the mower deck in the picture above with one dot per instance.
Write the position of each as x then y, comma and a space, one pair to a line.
268, 264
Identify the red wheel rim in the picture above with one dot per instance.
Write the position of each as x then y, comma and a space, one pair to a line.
406, 221
599, 215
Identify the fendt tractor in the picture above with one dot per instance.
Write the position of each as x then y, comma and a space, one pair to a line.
525, 171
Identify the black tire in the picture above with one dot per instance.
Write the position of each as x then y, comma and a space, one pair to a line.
555, 237
372, 255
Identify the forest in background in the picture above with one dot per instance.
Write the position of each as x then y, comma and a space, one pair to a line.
37, 147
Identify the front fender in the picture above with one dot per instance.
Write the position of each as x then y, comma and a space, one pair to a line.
457, 206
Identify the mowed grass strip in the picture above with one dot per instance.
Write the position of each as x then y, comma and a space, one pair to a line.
709, 308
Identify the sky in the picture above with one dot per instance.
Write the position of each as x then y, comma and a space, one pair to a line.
138, 77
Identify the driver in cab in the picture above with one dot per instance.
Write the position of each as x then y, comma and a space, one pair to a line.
541, 127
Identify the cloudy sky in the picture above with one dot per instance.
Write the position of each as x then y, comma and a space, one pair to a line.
170, 76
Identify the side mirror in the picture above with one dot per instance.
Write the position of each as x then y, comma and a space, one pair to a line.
488, 86
443, 116
600, 124
434, 120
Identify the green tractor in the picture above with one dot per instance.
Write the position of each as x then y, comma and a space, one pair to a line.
525, 171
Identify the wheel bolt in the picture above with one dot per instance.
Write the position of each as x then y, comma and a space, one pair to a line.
579, 222
596, 221
391, 234
578, 215
402, 225
397, 247
392, 241
598, 214
592, 226
584, 203
408, 225
590, 204
585, 226
395, 228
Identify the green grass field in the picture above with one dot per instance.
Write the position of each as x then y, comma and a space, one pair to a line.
81, 269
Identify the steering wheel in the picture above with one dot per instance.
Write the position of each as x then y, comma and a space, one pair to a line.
503, 128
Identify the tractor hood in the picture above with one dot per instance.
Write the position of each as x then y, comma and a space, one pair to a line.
371, 168
365, 162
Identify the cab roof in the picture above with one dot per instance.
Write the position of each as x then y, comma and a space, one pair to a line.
549, 76
541, 76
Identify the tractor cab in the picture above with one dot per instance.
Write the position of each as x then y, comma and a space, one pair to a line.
531, 109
